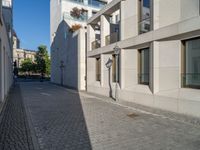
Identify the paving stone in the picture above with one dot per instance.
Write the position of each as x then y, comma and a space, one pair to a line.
66, 120
14, 129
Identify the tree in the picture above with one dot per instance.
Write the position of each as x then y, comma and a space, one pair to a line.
42, 60
27, 65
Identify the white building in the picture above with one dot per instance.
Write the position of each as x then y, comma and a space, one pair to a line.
6, 69
159, 60
68, 48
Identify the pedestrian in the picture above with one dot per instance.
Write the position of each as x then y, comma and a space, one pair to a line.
15, 72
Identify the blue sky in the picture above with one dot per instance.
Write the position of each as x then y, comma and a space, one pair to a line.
32, 23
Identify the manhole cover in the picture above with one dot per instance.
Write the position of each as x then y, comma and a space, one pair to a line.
132, 115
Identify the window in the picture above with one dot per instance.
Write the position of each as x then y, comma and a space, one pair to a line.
117, 18
144, 16
115, 69
191, 63
98, 69
143, 76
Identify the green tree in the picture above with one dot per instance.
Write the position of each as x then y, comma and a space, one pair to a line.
42, 60
27, 65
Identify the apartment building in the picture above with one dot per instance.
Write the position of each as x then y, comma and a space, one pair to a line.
6, 62
68, 40
149, 56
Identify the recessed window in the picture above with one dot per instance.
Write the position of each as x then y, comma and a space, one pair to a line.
115, 69
143, 76
191, 63
98, 69
144, 16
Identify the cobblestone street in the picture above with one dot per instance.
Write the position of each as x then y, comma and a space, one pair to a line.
48, 117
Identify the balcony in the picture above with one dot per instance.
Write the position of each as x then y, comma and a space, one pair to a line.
112, 38
82, 18
96, 44
191, 80
92, 3
145, 26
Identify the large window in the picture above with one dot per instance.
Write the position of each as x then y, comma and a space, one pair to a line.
98, 69
191, 63
143, 76
145, 11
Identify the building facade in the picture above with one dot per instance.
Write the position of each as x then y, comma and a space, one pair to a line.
20, 54
6, 63
68, 40
158, 64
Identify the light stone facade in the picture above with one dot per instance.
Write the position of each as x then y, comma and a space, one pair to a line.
68, 49
6, 63
19, 55
172, 22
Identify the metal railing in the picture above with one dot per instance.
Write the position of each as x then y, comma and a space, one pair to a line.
68, 16
145, 25
112, 38
190, 80
91, 3
96, 44
143, 78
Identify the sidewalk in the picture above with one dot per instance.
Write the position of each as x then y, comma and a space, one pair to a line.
148, 110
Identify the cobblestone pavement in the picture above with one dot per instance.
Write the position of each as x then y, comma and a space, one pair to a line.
14, 130
65, 120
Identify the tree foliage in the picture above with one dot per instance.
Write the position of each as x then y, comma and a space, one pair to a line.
42, 60
27, 65
41, 64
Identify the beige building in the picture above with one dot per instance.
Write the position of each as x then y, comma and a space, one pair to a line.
6, 62
20, 54
159, 55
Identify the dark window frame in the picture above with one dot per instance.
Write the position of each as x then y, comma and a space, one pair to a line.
98, 69
183, 65
140, 67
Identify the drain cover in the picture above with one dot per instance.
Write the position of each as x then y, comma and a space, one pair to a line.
132, 115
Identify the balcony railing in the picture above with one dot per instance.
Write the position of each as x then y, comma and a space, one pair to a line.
92, 3
112, 38
191, 80
68, 16
145, 25
143, 78
96, 44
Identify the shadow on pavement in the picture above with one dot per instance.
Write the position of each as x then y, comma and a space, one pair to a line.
14, 130
57, 117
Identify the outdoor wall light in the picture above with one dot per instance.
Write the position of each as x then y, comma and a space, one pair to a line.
117, 50
109, 63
